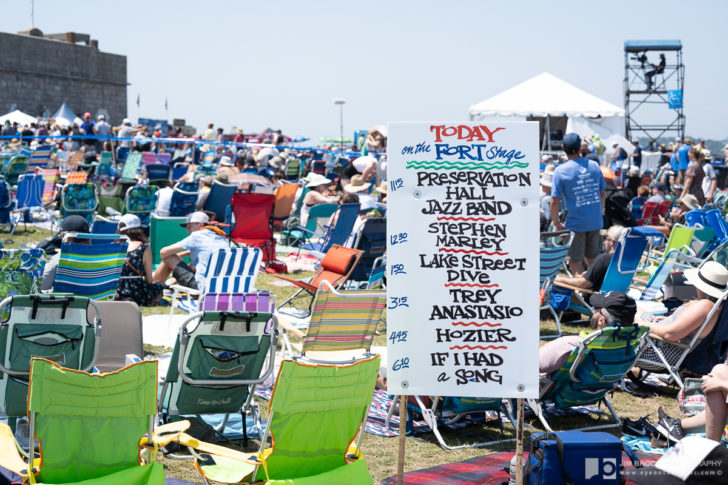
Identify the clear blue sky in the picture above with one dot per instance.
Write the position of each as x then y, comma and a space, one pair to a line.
280, 63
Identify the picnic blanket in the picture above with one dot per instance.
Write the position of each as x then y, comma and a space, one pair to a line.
481, 470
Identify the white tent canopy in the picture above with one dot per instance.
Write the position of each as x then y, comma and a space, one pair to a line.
18, 117
545, 95
65, 117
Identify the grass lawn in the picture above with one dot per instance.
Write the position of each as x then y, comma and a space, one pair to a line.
422, 451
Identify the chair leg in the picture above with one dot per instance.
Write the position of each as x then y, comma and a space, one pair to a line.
535, 405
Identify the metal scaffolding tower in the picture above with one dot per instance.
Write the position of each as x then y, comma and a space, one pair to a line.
653, 89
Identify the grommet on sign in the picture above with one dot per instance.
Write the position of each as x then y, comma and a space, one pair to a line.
405, 384
417, 194
524, 202
520, 388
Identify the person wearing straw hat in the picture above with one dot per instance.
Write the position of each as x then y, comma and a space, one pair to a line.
710, 282
318, 185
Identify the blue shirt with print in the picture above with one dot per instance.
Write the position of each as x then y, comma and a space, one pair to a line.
580, 182
682, 157
201, 245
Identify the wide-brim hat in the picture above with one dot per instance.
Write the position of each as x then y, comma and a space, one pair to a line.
711, 278
226, 161
690, 201
357, 185
14, 142
382, 187
547, 179
316, 180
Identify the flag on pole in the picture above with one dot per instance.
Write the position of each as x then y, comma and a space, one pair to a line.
165, 103
137, 100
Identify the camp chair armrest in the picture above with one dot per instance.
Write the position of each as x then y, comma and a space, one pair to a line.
314, 233
191, 442
676, 344
576, 288
167, 433
291, 329
10, 457
301, 284
184, 289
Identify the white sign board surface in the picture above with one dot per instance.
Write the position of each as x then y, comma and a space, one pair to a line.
463, 259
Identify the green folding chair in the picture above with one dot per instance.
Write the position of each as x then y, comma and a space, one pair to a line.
131, 168
92, 428
313, 419
54, 327
217, 361
163, 232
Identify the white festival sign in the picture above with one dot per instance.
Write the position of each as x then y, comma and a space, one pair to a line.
463, 259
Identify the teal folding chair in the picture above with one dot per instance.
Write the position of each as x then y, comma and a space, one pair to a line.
554, 246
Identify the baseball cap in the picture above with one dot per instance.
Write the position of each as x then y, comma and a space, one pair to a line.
102, 117
660, 186
129, 221
74, 223
619, 305
126, 121
571, 140
87, 115
198, 216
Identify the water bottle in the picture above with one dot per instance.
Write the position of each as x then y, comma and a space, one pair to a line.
512, 479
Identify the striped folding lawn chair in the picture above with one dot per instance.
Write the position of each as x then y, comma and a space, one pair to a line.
40, 156
232, 270
340, 321
90, 264
50, 177
553, 250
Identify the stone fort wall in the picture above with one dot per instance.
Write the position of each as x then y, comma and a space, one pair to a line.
37, 75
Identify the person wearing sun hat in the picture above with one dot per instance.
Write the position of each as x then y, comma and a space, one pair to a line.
317, 184
710, 282
203, 240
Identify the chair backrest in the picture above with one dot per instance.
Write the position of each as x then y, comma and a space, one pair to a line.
164, 157
695, 217
102, 225
315, 413
148, 158
184, 199
337, 265
40, 156
715, 220
6, 200
18, 166
299, 203
80, 199
163, 232
552, 256
158, 171
131, 167
664, 207
122, 334
50, 177
252, 216
372, 239
58, 328
600, 361
79, 177
232, 270
345, 320
30, 191
179, 169
219, 199
712, 349
285, 195
101, 417
681, 238
214, 362
22, 270
348, 213
293, 168
252, 301
90, 269
649, 214
626, 257
141, 200
319, 215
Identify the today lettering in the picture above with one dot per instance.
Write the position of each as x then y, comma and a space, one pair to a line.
465, 132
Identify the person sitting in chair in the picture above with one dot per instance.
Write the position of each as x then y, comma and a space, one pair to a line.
203, 240
614, 308
710, 281
593, 278
656, 69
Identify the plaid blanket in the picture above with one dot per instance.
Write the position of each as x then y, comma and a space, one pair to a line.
481, 470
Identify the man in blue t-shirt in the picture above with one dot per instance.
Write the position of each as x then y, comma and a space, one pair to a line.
581, 183
682, 159
200, 244
637, 153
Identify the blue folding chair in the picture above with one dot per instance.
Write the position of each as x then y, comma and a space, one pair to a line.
554, 246
372, 239
219, 198
158, 172
179, 169
80, 199
6, 202
102, 225
141, 200
338, 234
29, 195
184, 199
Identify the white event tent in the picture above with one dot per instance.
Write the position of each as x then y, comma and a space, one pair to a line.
18, 117
556, 104
65, 117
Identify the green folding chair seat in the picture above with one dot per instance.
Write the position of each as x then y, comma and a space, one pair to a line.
163, 232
